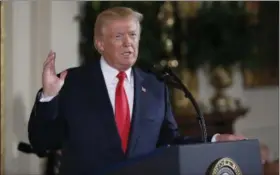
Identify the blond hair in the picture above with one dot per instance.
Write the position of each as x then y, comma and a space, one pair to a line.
114, 13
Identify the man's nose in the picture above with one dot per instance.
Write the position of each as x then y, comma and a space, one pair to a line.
127, 41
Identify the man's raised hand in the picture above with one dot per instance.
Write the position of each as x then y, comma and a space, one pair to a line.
50, 81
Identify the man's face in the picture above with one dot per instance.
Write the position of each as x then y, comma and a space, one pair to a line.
119, 43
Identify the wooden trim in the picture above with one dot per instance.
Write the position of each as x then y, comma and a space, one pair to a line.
2, 115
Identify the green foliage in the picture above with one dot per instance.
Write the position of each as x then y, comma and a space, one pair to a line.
220, 35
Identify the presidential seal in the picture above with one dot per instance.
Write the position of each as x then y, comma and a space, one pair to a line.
225, 166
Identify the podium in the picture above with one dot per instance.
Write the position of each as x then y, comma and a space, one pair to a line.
221, 158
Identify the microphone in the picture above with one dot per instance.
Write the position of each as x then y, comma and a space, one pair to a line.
159, 71
27, 148
164, 73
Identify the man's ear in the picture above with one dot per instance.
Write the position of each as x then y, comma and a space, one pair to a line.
99, 45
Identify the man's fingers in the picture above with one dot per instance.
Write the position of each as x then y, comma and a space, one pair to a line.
240, 137
49, 66
51, 56
230, 137
50, 63
47, 61
234, 137
50, 53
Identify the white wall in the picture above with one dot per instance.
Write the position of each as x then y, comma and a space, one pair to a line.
262, 121
32, 29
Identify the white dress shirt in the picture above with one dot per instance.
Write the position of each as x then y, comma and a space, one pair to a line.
111, 81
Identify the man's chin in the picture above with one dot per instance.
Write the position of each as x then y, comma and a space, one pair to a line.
129, 61
128, 64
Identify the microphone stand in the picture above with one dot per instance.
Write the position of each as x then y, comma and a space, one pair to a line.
169, 77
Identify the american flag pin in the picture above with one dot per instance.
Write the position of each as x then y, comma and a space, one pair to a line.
143, 89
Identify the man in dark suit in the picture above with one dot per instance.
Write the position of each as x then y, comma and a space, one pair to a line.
107, 111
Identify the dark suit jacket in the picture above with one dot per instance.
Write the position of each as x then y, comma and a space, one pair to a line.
80, 121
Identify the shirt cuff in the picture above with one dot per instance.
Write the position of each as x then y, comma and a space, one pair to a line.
214, 138
45, 99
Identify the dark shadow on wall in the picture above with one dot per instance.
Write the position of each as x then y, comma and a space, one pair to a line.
19, 128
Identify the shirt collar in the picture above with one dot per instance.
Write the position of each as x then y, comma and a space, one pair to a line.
111, 73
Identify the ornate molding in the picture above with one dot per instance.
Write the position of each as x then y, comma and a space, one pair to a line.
2, 87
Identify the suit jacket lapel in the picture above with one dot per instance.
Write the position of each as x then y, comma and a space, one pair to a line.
138, 82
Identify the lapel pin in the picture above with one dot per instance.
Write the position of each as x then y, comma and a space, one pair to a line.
143, 89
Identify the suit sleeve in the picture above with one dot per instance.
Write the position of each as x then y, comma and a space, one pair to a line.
46, 127
169, 131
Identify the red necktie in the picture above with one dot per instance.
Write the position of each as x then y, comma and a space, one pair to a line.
122, 113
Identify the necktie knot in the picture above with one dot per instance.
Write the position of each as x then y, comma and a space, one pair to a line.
121, 76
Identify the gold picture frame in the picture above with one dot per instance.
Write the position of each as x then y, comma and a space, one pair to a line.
2, 121
260, 78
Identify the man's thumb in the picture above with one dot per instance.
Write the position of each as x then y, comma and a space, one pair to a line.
63, 75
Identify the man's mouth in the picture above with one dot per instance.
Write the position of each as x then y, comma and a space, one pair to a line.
127, 53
